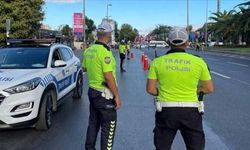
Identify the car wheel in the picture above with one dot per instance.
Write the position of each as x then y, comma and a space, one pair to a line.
45, 115
79, 87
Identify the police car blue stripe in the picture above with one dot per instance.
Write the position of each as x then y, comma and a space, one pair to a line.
48, 78
45, 80
62, 84
43, 83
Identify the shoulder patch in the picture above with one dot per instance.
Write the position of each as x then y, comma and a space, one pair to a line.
107, 60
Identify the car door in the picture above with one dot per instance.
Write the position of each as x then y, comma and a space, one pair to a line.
70, 68
58, 73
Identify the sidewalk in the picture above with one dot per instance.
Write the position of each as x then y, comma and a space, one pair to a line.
136, 117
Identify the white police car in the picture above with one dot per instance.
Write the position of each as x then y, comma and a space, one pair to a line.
34, 77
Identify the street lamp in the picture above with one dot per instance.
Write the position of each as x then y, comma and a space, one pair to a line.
188, 18
84, 24
108, 11
206, 36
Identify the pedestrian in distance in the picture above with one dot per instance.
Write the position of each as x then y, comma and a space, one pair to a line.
177, 74
122, 51
197, 48
100, 65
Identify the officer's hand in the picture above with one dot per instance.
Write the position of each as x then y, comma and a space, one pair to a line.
117, 102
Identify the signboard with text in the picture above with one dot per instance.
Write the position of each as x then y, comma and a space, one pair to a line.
78, 22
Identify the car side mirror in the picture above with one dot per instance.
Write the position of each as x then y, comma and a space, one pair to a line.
60, 63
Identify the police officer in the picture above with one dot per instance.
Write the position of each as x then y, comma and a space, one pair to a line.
128, 47
103, 92
122, 51
178, 74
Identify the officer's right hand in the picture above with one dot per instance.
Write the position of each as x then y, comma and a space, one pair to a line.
117, 102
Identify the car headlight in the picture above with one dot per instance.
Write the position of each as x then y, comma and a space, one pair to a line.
24, 87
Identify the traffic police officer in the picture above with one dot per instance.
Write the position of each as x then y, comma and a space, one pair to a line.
122, 51
103, 92
128, 46
178, 74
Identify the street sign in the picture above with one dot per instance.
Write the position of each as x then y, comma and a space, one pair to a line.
78, 24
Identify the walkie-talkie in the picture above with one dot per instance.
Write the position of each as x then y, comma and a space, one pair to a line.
201, 102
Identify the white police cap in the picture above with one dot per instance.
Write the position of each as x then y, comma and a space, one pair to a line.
177, 36
104, 27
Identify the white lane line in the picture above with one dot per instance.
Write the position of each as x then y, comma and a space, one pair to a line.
243, 82
234, 63
224, 76
232, 55
213, 59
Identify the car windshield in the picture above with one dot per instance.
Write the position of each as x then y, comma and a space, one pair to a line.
23, 58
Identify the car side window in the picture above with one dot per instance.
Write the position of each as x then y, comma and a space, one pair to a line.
56, 56
66, 54
70, 52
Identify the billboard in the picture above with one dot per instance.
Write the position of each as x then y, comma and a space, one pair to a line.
78, 22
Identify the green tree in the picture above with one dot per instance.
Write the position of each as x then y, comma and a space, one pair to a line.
117, 32
128, 33
160, 32
242, 21
90, 28
25, 17
231, 26
223, 25
66, 30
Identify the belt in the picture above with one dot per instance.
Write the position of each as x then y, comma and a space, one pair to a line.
99, 90
180, 104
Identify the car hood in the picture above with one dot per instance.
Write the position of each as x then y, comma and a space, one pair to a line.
13, 77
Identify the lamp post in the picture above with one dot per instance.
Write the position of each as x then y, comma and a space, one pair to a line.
108, 11
84, 11
206, 36
7, 27
188, 18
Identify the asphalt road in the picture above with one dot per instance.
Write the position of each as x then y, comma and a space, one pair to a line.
227, 109
226, 121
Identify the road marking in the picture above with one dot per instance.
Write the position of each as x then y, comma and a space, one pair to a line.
234, 63
243, 82
213, 59
224, 76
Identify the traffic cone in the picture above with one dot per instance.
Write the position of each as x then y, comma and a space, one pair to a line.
145, 65
142, 57
131, 55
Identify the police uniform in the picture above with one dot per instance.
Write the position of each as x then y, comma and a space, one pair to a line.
122, 51
98, 59
178, 74
128, 50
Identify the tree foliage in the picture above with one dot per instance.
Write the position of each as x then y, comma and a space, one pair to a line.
128, 33
231, 26
117, 32
160, 32
66, 30
25, 17
90, 28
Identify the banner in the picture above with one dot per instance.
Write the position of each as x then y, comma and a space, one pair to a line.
78, 24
